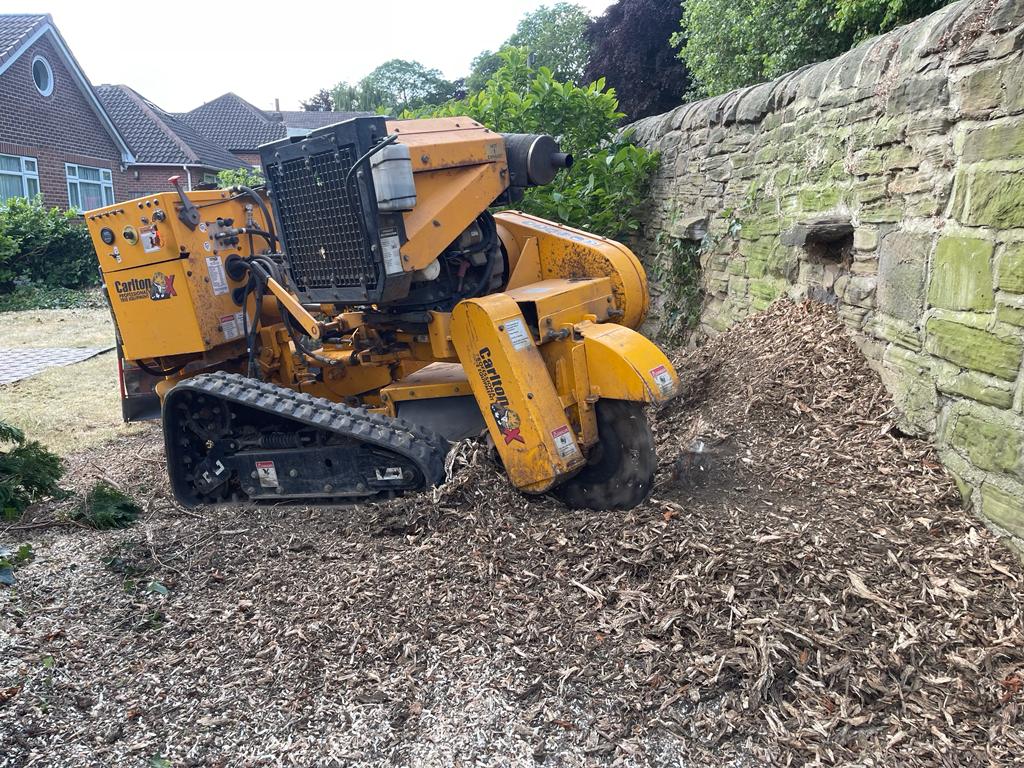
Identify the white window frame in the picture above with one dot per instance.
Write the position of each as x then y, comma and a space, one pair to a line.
29, 173
49, 71
106, 184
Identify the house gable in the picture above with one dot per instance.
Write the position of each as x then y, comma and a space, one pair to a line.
72, 93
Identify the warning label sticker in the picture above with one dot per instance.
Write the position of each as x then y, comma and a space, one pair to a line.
663, 379
150, 238
267, 473
231, 326
518, 334
564, 442
218, 278
391, 249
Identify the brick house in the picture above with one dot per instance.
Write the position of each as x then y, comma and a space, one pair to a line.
234, 123
84, 147
55, 136
163, 145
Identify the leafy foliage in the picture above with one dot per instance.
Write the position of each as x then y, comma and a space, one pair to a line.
482, 69
606, 186
602, 193
864, 18
676, 269
107, 507
556, 36
44, 246
321, 101
630, 48
34, 296
395, 86
28, 472
243, 177
728, 44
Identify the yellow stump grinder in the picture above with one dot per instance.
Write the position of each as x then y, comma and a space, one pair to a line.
327, 338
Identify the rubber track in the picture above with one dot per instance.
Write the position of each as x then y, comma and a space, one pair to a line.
426, 448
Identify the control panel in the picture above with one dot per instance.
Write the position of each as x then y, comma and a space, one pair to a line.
163, 257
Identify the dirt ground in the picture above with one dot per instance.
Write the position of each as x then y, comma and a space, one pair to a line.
802, 587
67, 408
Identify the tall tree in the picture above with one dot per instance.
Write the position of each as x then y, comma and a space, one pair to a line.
631, 49
728, 44
556, 38
482, 69
864, 18
320, 101
399, 84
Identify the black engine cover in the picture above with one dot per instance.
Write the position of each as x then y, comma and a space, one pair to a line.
333, 238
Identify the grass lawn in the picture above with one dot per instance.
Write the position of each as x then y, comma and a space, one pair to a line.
71, 407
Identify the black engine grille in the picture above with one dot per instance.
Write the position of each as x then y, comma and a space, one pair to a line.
326, 240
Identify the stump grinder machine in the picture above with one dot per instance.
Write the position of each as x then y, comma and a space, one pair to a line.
327, 338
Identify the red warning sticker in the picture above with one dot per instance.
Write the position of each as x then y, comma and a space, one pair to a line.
663, 379
564, 442
267, 473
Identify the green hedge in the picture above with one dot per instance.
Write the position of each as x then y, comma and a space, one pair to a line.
44, 246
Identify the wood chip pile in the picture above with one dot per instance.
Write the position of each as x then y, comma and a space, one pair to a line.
802, 587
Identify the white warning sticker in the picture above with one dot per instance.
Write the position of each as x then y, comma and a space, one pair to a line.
218, 277
564, 442
518, 334
231, 326
663, 379
267, 473
150, 237
391, 248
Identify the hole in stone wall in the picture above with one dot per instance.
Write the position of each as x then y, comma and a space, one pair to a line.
823, 262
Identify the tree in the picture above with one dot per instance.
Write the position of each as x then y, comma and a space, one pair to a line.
557, 38
864, 18
606, 187
399, 85
481, 70
320, 101
630, 48
727, 44
353, 98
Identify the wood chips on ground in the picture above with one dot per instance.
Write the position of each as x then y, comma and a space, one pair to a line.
805, 589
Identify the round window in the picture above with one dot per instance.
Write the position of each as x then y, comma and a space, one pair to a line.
42, 75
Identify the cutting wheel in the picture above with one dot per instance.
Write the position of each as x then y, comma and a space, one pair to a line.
621, 470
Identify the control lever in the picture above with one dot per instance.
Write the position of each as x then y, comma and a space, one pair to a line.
188, 214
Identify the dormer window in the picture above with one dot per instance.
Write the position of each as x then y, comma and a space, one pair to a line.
42, 75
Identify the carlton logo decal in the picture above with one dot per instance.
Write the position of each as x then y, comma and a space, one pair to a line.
156, 288
507, 420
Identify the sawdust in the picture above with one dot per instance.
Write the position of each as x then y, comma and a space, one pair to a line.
806, 588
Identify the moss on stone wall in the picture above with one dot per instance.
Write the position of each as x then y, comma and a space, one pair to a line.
919, 150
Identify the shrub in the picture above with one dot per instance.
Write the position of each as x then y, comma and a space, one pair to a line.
606, 186
45, 246
28, 472
243, 177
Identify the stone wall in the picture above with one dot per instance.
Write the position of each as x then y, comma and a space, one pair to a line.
890, 182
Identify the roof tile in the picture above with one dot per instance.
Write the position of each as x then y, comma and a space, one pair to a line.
156, 136
16, 27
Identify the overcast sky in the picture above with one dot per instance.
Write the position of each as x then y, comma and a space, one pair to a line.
179, 54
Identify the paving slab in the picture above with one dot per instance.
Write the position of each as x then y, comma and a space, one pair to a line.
23, 362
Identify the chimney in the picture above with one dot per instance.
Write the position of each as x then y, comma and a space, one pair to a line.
277, 105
